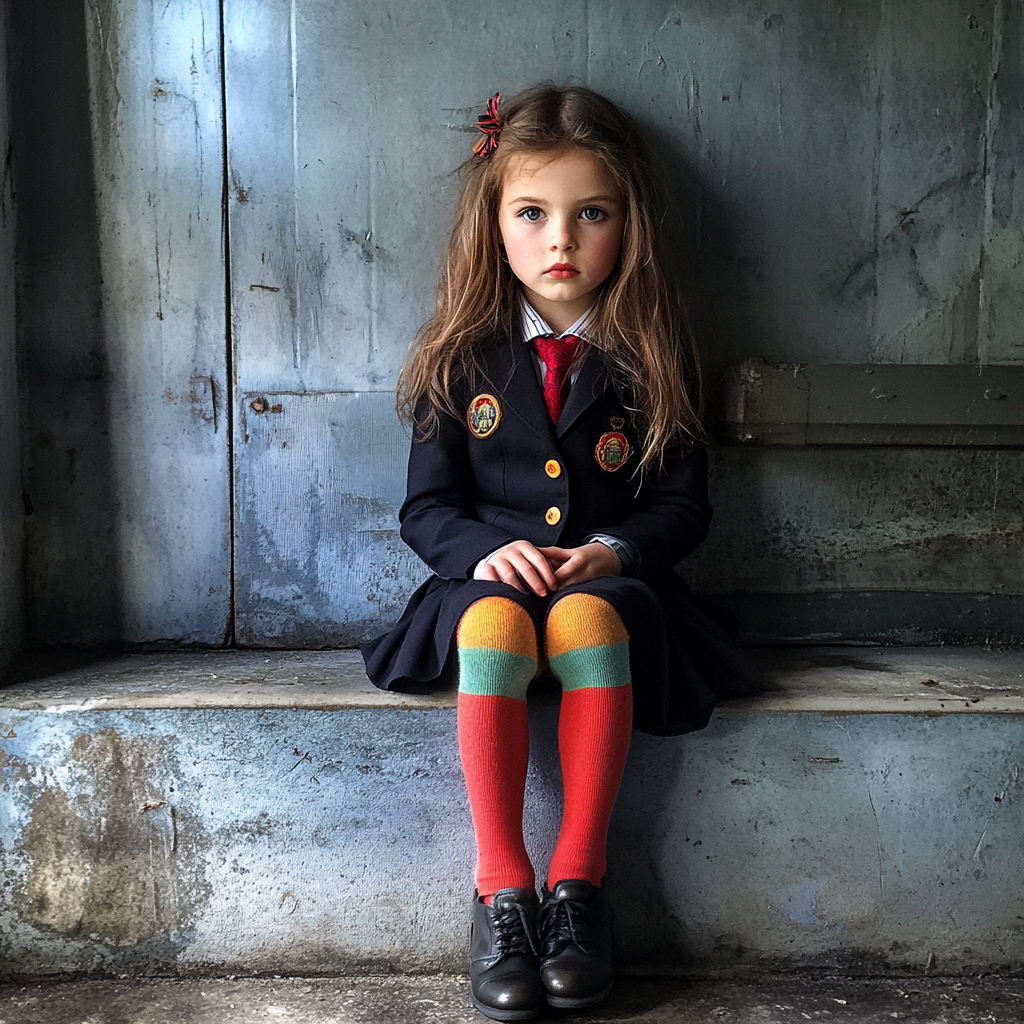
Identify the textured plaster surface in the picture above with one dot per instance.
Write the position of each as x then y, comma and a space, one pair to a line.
866, 814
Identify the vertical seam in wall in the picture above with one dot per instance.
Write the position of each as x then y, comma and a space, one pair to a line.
229, 334
293, 43
988, 177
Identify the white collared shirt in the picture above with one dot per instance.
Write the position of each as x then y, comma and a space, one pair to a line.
533, 325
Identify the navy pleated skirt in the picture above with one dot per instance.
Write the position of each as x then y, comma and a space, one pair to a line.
682, 654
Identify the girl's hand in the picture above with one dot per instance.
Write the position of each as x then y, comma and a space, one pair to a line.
522, 566
577, 565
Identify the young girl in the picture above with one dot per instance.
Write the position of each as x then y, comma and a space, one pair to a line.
555, 480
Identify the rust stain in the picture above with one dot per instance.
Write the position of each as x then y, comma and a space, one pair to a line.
22, 770
154, 806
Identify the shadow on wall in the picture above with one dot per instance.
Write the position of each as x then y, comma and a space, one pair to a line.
66, 372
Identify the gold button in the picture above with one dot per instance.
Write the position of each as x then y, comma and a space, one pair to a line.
552, 516
552, 468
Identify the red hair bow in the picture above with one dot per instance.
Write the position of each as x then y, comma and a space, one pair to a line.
490, 124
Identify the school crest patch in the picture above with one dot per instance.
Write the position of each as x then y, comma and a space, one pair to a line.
483, 416
612, 451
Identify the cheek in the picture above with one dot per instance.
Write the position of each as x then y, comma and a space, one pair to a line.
604, 253
518, 249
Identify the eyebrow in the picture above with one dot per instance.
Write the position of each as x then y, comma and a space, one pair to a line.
588, 199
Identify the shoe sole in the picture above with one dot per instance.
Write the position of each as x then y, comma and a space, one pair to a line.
496, 1014
581, 1002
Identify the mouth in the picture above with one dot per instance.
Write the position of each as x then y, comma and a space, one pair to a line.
562, 271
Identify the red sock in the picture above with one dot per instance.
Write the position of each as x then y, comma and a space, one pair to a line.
494, 740
588, 649
594, 731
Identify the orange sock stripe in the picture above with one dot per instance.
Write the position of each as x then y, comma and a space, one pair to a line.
582, 620
499, 624
594, 732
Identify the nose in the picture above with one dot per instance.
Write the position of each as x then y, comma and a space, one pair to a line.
562, 237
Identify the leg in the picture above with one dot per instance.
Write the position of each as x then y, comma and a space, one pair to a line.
588, 649
497, 646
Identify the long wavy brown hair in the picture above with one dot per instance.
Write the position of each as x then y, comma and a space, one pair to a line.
640, 322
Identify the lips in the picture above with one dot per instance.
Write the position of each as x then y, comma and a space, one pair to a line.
562, 271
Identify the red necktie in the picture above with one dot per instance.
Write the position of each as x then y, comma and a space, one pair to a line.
558, 354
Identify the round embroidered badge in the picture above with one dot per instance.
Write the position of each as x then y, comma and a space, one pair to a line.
483, 416
612, 451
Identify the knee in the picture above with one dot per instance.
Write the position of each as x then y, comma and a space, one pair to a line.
587, 644
582, 620
497, 645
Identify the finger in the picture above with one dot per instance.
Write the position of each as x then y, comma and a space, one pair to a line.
530, 574
570, 568
539, 562
557, 555
504, 572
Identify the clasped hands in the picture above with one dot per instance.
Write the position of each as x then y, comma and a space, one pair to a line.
542, 570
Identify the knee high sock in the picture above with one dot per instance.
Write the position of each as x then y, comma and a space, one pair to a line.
588, 649
497, 646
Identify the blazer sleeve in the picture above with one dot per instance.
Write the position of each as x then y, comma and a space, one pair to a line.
437, 517
673, 515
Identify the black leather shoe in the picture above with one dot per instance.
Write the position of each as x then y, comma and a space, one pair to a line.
576, 932
504, 977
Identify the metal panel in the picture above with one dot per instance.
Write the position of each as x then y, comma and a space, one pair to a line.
122, 277
319, 561
964, 406
11, 511
821, 520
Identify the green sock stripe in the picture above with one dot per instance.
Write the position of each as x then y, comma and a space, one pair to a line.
605, 665
487, 672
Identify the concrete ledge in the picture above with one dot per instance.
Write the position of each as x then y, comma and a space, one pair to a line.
284, 817
864, 680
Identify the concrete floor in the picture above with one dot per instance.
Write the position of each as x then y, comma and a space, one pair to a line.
781, 999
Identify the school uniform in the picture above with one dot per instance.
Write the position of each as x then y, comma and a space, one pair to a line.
505, 472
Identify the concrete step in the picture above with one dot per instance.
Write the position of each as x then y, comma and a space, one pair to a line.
391, 999
271, 813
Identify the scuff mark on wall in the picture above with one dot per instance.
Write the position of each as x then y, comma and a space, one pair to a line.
102, 861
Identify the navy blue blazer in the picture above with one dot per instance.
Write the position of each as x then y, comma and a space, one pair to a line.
508, 474
526, 479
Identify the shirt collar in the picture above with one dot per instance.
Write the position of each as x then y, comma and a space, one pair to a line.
534, 325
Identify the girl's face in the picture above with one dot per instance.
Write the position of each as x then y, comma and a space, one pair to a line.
561, 219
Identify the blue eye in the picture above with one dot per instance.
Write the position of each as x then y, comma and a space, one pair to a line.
591, 213
531, 213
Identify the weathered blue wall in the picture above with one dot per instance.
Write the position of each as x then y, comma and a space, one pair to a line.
11, 513
122, 320
844, 189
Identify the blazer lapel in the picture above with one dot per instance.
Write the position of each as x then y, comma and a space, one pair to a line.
590, 384
514, 377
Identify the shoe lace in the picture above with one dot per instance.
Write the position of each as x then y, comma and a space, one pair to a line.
557, 923
513, 931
